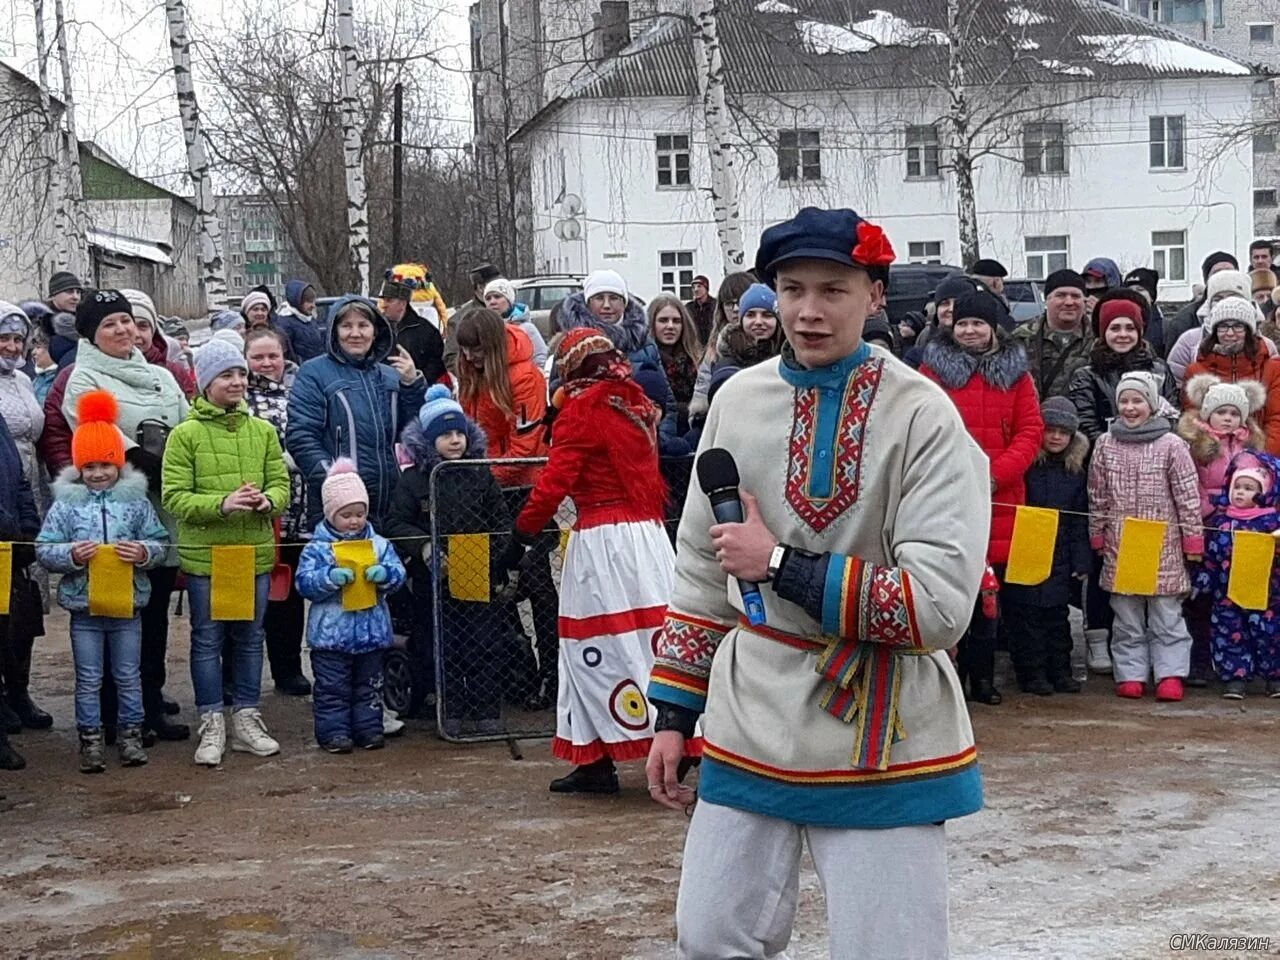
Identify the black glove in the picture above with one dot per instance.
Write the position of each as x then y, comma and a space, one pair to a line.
514, 554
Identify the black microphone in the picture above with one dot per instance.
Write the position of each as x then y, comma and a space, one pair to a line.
718, 477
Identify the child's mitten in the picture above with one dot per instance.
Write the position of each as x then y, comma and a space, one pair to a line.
376, 573
341, 576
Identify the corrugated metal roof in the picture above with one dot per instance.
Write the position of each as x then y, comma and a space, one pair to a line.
772, 46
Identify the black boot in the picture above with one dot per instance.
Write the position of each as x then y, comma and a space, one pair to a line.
1037, 684
16, 683
162, 728
171, 707
10, 759
10, 722
984, 691
599, 777
295, 686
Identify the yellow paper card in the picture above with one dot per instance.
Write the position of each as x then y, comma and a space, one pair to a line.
469, 567
1035, 533
1138, 562
231, 586
1249, 583
110, 585
6, 577
357, 556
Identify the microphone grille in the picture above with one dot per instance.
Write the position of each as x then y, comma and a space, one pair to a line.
716, 469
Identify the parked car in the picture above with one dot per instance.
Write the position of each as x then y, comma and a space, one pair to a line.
1026, 298
911, 286
542, 294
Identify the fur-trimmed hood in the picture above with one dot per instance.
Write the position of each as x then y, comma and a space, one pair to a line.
1073, 458
68, 488
630, 334
1205, 446
1002, 366
734, 346
426, 456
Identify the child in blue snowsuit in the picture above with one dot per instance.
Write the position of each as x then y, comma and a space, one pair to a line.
1245, 643
347, 646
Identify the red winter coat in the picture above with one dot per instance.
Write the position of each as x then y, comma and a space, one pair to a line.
604, 459
997, 401
529, 397
55, 441
158, 354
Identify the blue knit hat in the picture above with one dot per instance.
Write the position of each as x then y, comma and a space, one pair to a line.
440, 413
758, 297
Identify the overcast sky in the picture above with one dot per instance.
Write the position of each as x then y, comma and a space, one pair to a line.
122, 73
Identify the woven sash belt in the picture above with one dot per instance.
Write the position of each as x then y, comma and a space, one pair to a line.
863, 681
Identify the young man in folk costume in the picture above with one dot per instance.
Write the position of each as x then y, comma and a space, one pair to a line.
842, 721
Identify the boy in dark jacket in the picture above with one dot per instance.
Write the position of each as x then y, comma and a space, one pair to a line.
468, 500
1039, 629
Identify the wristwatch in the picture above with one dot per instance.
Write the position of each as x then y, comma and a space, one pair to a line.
776, 560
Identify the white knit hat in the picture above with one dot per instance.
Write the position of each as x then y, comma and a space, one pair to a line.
605, 281
503, 287
254, 298
1145, 383
1247, 396
1234, 310
1224, 284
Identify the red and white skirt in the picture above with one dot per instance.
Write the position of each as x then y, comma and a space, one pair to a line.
614, 591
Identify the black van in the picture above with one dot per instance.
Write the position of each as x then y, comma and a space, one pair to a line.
911, 286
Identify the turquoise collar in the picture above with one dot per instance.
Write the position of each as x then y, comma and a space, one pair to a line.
833, 375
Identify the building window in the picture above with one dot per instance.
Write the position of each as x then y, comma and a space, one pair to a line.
1264, 198
799, 155
1044, 149
235, 213
924, 251
1045, 255
677, 273
236, 259
1262, 33
923, 153
1168, 143
237, 281
673, 159
1264, 143
1169, 254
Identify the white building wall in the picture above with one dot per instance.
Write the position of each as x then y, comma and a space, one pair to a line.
1108, 203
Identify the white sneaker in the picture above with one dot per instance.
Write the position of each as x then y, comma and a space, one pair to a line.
1097, 657
213, 738
249, 734
392, 726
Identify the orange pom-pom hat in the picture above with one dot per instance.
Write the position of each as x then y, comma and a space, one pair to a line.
97, 439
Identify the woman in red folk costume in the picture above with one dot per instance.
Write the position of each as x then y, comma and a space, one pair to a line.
619, 563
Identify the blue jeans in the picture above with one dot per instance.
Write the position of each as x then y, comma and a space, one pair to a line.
207, 636
89, 636
347, 695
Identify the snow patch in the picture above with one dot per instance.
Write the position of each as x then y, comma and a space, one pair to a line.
1162, 54
1071, 70
774, 6
881, 29
1022, 17
1027, 44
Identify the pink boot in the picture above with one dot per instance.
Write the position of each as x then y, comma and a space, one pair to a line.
1169, 689
1130, 690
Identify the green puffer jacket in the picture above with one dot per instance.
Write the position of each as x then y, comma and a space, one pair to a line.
208, 457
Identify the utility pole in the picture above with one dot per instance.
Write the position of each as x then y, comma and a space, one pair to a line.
397, 174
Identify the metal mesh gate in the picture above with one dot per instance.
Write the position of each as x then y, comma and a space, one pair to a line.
492, 641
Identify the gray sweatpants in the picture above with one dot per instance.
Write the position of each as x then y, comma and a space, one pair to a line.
1149, 636
886, 890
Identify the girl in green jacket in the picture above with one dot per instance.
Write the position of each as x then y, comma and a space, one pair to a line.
225, 481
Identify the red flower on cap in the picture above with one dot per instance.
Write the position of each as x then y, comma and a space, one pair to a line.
873, 248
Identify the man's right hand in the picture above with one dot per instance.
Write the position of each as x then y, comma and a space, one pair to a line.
661, 770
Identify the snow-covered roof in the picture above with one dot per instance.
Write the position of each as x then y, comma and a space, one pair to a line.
780, 46
128, 247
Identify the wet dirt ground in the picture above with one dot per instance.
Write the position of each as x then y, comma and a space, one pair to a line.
1110, 826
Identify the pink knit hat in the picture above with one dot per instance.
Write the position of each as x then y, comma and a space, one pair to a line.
342, 487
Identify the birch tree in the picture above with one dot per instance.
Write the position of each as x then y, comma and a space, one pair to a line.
352, 146
51, 146
210, 232
724, 184
77, 224
961, 120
